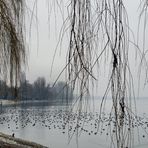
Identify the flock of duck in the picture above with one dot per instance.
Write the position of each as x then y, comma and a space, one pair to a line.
66, 121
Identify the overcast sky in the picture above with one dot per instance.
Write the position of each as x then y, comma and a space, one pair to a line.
44, 38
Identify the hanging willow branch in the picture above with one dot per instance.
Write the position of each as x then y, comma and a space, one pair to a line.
102, 32
144, 52
12, 50
115, 25
79, 54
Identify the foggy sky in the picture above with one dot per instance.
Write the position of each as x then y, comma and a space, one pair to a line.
44, 36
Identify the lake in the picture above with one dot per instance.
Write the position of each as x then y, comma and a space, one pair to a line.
56, 127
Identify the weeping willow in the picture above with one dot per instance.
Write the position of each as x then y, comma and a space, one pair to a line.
97, 29
12, 50
103, 32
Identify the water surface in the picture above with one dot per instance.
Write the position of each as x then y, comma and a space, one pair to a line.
56, 127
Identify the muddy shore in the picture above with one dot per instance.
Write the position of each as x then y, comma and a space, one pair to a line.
8, 141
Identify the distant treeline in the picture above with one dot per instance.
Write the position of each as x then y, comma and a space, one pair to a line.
39, 90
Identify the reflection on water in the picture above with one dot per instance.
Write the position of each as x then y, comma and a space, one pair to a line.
53, 126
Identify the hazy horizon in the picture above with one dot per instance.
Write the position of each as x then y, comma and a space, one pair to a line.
43, 39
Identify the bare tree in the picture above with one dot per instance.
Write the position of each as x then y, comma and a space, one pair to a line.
12, 50
40, 89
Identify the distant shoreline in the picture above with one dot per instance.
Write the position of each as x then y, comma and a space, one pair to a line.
28, 103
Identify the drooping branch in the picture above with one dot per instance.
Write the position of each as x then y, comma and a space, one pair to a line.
12, 50
94, 33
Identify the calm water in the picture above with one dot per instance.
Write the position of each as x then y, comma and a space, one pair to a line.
53, 126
